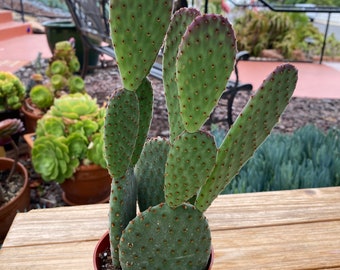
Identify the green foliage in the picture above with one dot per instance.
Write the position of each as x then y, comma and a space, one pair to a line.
308, 158
70, 134
12, 91
61, 72
285, 32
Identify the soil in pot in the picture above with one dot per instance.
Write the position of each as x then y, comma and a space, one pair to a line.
17, 194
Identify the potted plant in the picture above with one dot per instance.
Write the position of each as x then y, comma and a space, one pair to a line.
14, 187
59, 30
62, 80
12, 94
174, 181
68, 149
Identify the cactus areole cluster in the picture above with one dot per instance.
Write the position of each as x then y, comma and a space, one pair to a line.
175, 180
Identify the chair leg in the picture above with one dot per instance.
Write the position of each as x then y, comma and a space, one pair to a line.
85, 61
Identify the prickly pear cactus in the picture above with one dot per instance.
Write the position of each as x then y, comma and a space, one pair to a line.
250, 129
138, 28
205, 61
121, 129
145, 101
190, 161
149, 172
123, 199
179, 23
167, 239
199, 56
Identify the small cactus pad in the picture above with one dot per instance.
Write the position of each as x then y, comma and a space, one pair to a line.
120, 132
149, 172
137, 29
145, 98
165, 238
123, 200
179, 23
250, 129
205, 61
190, 161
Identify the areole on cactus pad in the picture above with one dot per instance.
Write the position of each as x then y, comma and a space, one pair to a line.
188, 170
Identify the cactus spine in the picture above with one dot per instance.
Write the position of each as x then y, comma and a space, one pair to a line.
198, 59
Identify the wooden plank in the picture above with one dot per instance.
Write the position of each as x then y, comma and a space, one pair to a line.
296, 246
279, 207
297, 229
58, 225
76, 255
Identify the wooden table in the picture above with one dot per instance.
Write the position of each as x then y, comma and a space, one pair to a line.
297, 229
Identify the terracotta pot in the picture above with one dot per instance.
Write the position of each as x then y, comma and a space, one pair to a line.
90, 184
31, 116
18, 204
104, 244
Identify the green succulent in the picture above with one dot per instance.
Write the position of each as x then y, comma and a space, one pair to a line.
42, 96
76, 84
75, 106
186, 173
51, 158
73, 130
12, 91
62, 66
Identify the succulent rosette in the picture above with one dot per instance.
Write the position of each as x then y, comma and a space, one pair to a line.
76, 107
60, 71
52, 160
70, 134
12, 91
42, 96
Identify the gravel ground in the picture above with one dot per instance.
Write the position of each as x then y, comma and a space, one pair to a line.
324, 113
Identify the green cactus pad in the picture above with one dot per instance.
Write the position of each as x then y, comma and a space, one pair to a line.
149, 172
138, 28
190, 161
163, 238
205, 61
123, 199
145, 98
250, 129
179, 23
120, 132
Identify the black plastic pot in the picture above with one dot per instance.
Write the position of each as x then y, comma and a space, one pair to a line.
60, 30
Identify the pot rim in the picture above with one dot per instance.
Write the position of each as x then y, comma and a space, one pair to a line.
22, 170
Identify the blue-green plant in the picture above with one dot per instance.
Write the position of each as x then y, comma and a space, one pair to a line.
172, 232
68, 135
308, 158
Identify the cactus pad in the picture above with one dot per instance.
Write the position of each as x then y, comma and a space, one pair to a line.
205, 61
120, 132
137, 29
145, 101
123, 199
149, 172
163, 238
250, 129
179, 23
190, 161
